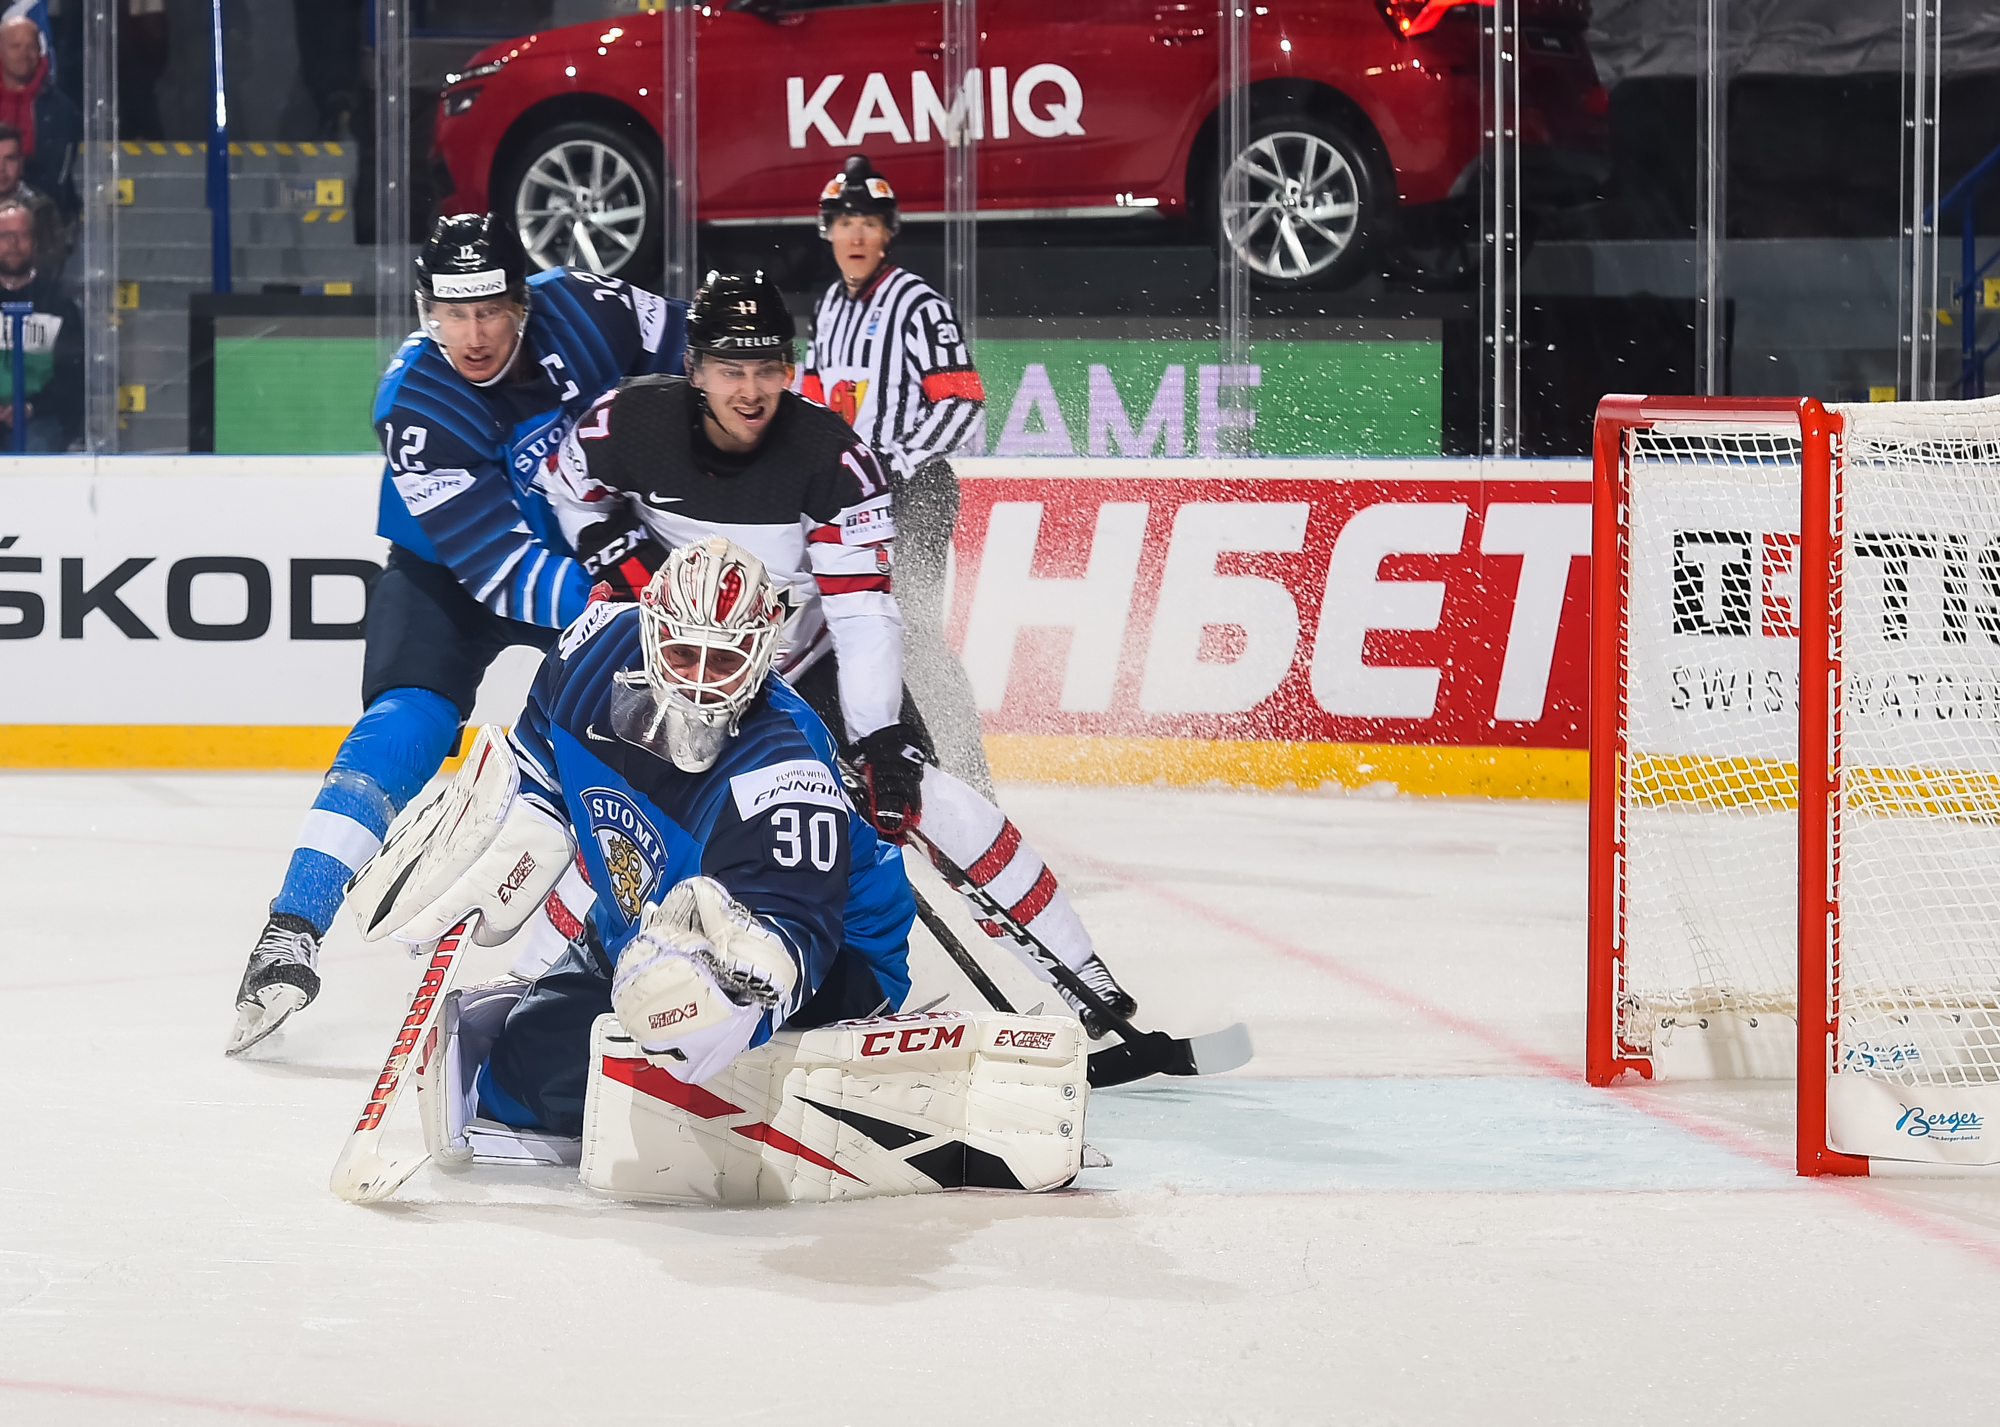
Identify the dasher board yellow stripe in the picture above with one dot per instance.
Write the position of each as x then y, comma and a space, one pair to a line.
1179, 762
211, 746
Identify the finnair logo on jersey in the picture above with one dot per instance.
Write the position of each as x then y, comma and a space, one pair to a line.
631, 848
799, 781
427, 490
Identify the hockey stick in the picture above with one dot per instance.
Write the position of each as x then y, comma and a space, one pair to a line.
955, 949
1143, 1053
362, 1175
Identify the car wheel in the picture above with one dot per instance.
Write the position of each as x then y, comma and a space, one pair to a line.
585, 196
1299, 203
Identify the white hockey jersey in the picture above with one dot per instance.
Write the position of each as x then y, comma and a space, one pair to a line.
812, 502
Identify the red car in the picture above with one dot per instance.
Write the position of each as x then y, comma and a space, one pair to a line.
1361, 112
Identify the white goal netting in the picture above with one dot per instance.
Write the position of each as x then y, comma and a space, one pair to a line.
1918, 745
1709, 791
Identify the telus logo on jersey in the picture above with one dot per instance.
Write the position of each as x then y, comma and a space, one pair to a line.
631, 848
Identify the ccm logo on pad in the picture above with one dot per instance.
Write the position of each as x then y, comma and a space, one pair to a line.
1025, 1040
913, 1039
660, 1019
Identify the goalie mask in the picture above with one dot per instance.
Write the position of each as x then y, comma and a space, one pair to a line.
710, 621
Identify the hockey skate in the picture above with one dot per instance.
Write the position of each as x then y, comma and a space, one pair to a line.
282, 977
1097, 976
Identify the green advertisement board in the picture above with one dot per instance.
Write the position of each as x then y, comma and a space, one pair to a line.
293, 395
1125, 397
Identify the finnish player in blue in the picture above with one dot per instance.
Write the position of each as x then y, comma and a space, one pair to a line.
468, 413
738, 890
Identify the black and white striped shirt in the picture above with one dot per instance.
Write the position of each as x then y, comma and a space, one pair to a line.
893, 362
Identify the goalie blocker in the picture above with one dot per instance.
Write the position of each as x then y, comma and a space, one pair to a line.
908, 1104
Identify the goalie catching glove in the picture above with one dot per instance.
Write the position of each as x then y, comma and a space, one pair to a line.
479, 845
695, 980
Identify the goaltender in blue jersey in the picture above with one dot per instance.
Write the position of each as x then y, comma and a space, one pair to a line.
470, 410
737, 889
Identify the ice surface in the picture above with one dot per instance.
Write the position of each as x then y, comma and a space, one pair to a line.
1407, 1209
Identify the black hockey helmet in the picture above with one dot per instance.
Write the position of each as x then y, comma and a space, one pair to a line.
472, 257
737, 316
857, 188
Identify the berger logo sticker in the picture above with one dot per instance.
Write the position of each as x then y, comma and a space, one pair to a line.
632, 851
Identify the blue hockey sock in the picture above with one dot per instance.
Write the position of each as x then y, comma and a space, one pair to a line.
383, 762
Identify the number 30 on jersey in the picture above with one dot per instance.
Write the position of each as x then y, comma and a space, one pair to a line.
797, 836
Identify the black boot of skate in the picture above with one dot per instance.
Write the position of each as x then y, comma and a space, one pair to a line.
1097, 976
282, 977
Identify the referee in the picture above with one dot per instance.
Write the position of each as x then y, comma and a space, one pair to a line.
887, 354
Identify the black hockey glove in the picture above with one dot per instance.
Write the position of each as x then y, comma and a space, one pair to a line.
890, 768
620, 555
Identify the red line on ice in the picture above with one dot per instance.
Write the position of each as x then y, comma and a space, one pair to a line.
1923, 1222
209, 1404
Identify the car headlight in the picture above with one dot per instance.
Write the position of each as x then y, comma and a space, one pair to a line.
457, 101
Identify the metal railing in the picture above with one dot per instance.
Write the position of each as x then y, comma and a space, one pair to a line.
1964, 196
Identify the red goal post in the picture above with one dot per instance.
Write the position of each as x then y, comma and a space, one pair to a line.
1795, 764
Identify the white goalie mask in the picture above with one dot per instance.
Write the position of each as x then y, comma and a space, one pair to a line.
709, 625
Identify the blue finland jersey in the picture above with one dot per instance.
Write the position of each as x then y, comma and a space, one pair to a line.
769, 821
463, 483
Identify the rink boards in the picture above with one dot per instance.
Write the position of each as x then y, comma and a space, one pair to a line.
1419, 624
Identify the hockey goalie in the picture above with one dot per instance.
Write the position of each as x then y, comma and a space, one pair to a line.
714, 1028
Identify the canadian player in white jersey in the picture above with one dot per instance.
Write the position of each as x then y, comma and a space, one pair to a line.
887, 354
730, 450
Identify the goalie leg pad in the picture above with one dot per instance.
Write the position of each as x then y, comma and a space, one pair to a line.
891, 1105
477, 845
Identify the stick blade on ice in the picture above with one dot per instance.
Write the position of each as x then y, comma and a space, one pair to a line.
1221, 1050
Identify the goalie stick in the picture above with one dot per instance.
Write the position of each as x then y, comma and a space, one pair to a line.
362, 1175
1143, 1053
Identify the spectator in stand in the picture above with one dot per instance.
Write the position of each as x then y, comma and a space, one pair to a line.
48, 122
52, 239
52, 339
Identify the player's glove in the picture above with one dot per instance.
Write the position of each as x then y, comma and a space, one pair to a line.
889, 768
621, 555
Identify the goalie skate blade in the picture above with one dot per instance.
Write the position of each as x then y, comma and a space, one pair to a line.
370, 1179
258, 1018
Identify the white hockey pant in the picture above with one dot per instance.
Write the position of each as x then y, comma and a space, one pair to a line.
980, 838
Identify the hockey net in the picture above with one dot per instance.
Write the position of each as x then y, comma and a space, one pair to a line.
1759, 739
